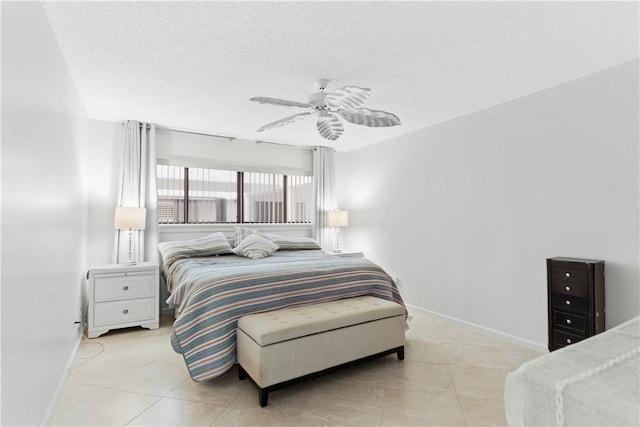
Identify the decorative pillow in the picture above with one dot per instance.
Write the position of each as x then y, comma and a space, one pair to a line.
292, 243
213, 244
243, 232
255, 246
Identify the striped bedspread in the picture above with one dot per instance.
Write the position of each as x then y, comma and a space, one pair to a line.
211, 294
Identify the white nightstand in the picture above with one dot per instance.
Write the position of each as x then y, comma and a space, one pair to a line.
347, 254
121, 296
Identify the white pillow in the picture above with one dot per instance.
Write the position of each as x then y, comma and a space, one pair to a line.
243, 232
255, 246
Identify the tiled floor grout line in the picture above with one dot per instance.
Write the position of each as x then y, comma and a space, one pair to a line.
455, 388
142, 412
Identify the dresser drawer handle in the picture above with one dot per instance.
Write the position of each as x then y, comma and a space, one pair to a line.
125, 288
567, 288
125, 311
567, 302
568, 340
567, 274
568, 321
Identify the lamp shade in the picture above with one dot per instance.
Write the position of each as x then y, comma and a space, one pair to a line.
338, 218
130, 218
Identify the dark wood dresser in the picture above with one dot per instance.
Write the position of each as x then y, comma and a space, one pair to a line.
575, 291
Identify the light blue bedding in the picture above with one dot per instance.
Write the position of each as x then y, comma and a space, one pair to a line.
211, 294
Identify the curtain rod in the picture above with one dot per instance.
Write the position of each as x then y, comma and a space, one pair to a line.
229, 137
194, 132
298, 146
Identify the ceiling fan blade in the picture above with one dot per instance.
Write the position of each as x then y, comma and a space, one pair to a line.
330, 127
284, 121
371, 118
281, 102
348, 97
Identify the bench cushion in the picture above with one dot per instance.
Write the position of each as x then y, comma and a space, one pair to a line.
290, 323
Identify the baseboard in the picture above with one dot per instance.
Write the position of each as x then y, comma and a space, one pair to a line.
51, 409
167, 311
499, 334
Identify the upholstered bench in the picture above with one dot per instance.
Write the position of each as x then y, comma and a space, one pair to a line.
281, 347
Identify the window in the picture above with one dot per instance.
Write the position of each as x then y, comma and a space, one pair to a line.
207, 196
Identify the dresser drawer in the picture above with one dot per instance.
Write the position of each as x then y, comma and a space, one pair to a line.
561, 338
569, 302
109, 287
569, 288
126, 311
575, 322
565, 274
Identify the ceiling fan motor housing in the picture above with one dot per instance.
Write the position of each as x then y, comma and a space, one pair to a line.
317, 99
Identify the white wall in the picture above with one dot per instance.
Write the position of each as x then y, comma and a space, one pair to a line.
466, 212
104, 153
43, 214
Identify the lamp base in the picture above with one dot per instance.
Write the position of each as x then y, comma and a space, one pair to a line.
131, 260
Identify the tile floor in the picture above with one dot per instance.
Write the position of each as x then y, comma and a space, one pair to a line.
452, 375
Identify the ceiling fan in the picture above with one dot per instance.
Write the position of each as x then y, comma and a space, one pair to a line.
345, 102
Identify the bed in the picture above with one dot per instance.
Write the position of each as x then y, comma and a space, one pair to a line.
211, 292
593, 382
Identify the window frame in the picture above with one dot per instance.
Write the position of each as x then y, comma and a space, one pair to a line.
240, 195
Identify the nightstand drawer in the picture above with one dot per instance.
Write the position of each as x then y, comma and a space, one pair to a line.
114, 312
563, 338
109, 287
568, 288
565, 274
574, 322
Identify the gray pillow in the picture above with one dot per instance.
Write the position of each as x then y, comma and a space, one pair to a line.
213, 244
292, 243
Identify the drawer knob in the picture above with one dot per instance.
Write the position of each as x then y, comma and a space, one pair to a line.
568, 321
125, 288
567, 288
568, 340
567, 302
125, 311
567, 274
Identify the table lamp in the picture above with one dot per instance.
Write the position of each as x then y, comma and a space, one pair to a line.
127, 218
337, 219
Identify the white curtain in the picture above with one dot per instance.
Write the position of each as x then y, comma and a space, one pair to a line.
324, 196
137, 188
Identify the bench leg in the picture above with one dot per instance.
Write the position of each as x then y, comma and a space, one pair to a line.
401, 353
242, 374
263, 397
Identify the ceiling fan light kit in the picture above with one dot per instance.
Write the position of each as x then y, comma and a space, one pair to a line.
345, 102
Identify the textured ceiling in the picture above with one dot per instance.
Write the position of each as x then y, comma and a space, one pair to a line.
194, 65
